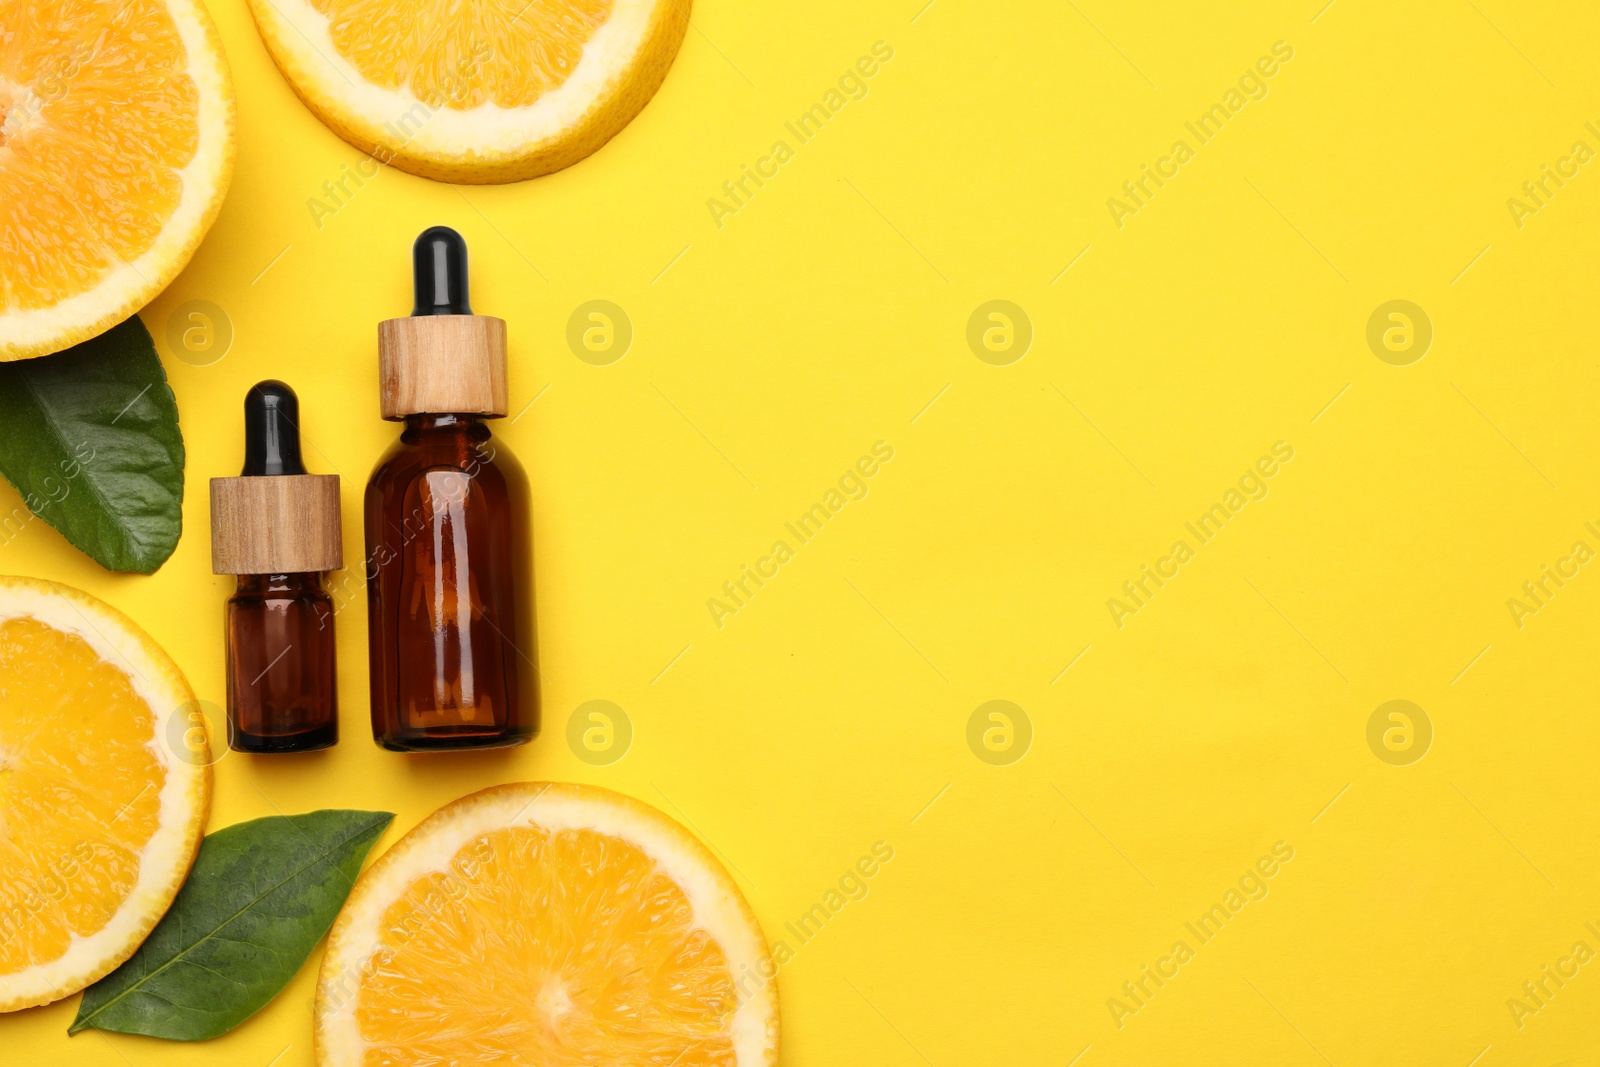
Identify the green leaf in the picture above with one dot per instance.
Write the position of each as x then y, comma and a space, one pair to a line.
260, 897
89, 437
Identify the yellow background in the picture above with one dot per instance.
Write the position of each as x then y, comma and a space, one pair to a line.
830, 713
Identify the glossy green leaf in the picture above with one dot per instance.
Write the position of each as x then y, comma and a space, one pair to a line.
260, 897
89, 437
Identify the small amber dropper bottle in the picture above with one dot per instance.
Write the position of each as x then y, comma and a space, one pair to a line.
449, 589
277, 528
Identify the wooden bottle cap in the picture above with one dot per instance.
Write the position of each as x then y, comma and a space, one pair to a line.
442, 365
276, 524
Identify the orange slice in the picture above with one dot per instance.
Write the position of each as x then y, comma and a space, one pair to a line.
547, 924
479, 91
100, 814
116, 146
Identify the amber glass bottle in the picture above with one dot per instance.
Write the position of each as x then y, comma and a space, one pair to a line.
277, 528
449, 588
282, 691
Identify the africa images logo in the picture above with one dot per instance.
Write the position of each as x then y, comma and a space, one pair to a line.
1138, 592
1252, 85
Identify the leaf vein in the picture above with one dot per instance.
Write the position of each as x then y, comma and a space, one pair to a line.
144, 980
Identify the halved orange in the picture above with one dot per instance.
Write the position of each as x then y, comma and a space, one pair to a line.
547, 924
100, 813
116, 146
483, 91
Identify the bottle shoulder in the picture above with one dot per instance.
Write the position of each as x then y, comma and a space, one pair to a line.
478, 455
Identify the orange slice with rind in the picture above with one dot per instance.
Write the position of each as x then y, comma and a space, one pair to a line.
116, 147
476, 92
101, 815
550, 924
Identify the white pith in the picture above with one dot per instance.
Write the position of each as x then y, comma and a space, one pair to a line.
301, 41
24, 109
171, 846
128, 285
718, 908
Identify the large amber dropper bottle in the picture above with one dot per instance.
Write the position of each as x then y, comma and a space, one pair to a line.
449, 591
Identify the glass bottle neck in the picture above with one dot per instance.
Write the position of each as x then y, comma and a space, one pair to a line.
432, 423
298, 583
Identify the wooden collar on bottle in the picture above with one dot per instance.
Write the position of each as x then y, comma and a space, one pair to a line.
276, 524
442, 364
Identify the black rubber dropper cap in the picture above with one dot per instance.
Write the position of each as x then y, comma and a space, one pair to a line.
439, 273
271, 430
